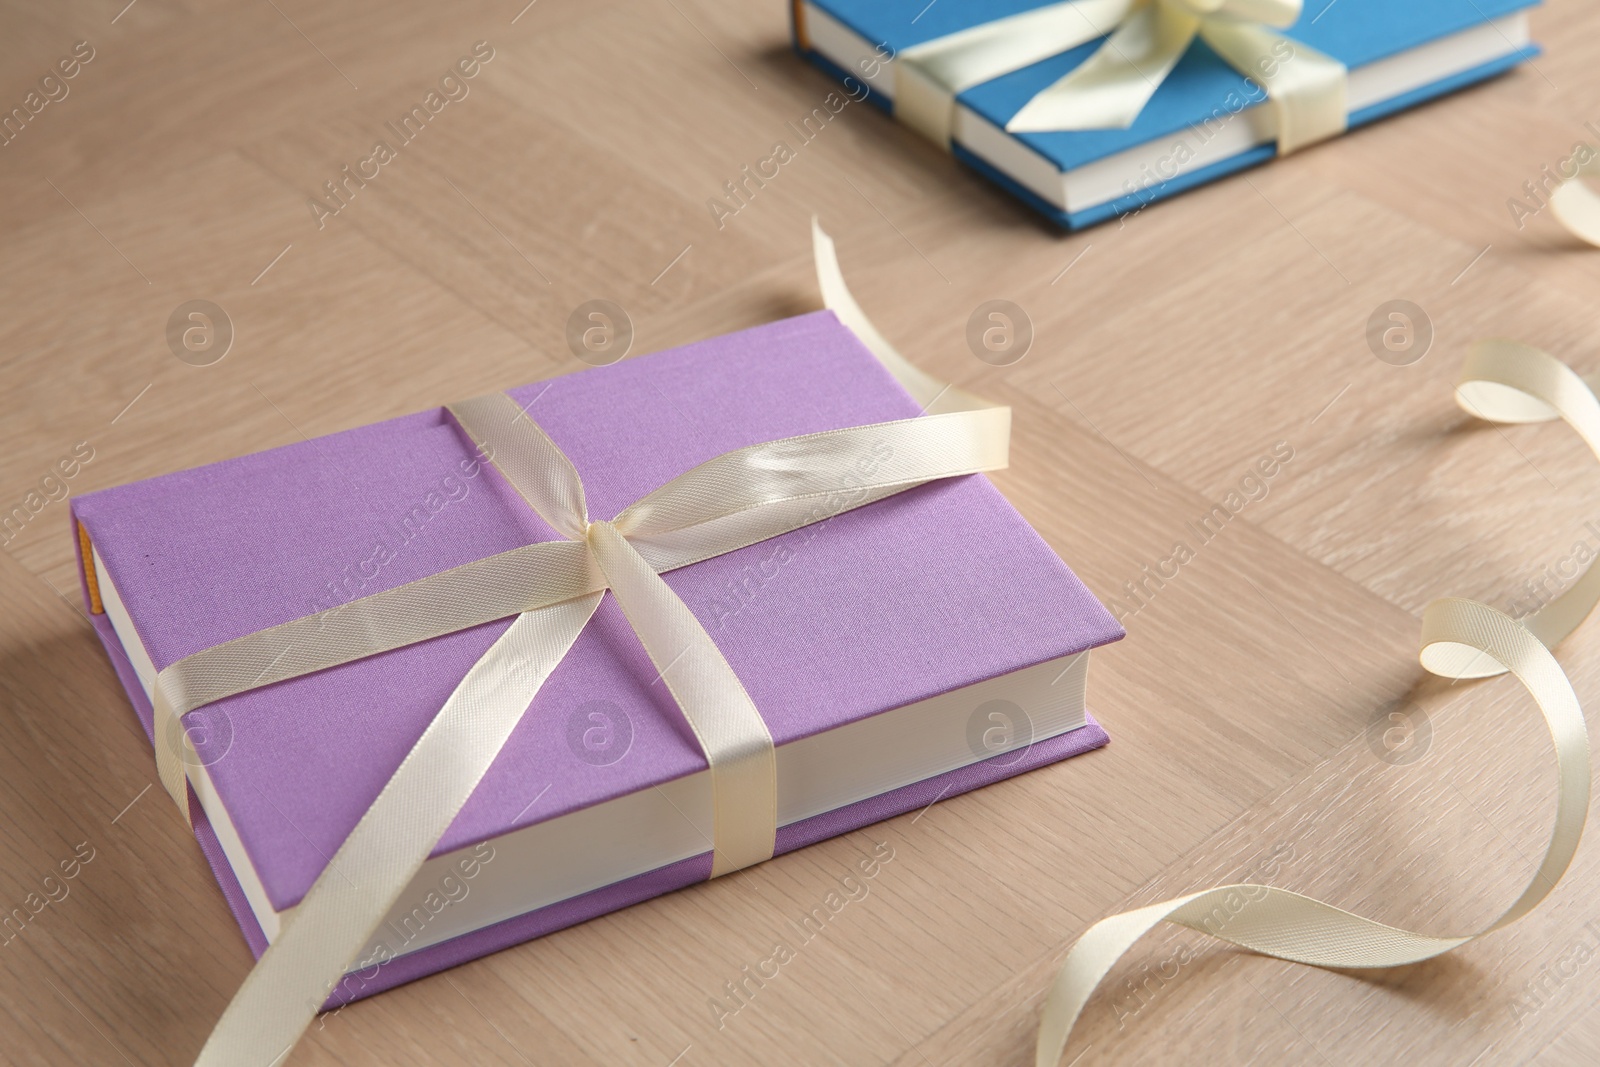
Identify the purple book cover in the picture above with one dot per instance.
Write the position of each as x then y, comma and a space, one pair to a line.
927, 591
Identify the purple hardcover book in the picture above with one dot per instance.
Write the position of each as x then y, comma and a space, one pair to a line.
919, 646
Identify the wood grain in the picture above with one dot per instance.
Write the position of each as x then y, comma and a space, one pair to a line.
1171, 351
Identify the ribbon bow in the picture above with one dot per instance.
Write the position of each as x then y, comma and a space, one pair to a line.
1108, 90
552, 588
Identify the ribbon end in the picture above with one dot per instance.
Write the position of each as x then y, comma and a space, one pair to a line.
1577, 208
1445, 648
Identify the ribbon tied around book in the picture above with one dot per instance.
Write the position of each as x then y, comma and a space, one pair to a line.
551, 589
1144, 40
1503, 382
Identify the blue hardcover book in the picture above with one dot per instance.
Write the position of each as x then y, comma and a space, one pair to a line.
1205, 120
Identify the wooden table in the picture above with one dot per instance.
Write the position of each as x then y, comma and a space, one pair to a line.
1171, 352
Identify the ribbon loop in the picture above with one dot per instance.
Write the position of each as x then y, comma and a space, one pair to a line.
1306, 88
1575, 205
1144, 40
1509, 382
884, 455
928, 76
1111, 87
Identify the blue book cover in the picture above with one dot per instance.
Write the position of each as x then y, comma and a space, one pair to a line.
1399, 53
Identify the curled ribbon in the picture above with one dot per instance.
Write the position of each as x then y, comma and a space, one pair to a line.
1501, 381
1576, 206
1306, 88
552, 589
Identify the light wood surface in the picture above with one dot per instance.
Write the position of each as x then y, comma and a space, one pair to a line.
1176, 349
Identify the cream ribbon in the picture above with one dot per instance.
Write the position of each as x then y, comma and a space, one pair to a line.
1576, 206
552, 589
1510, 382
1502, 381
1307, 89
